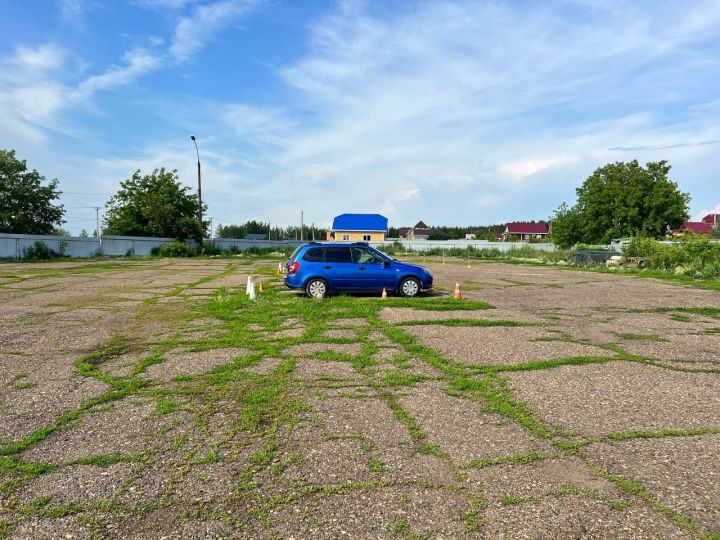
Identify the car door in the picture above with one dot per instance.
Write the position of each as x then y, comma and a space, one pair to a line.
338, 267
371, 271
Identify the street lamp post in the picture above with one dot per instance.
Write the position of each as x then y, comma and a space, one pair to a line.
200, 222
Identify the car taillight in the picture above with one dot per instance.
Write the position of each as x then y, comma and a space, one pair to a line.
294, 267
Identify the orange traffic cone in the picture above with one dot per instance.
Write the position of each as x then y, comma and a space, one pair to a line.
262, 287
383, 296
458, 294
280, 268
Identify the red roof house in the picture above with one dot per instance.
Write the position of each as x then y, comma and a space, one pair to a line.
525, 231
712, 219
695, 227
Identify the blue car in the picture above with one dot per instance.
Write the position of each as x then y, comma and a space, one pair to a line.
319, 268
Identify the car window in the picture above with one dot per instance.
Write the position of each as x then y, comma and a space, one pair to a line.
313, 255
294, 254
365, 256
337, 254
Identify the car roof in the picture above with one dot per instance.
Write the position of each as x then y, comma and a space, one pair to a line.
330, 244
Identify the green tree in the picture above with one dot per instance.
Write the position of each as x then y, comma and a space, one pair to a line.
26, 205
155, 204
622, 199
84, 234
231, 231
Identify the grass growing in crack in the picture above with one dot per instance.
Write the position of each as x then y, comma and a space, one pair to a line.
630, 435
432, 450
401, 414
464, 322
641, 337
514, 459
636, 489
493, 393
511, 500
107, 460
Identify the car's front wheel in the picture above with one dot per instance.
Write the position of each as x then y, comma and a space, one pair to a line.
316, 288
409, 287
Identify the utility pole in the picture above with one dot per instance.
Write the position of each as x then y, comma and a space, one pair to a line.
313, 231
301, 226
97, 228
200, 222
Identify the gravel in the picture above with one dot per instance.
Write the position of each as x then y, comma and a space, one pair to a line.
191, 363
459, 427
498, 344
620, 396
682, 471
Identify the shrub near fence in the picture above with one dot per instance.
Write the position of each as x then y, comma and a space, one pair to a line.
691, 256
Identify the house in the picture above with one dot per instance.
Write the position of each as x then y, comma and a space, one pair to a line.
712, 219
471, 234
359, 228
525, 231
403, 231
419, 232
694, 227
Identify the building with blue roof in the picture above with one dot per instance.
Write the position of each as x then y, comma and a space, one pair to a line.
359, 228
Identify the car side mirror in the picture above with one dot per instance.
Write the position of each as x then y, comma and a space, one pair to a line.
386, 263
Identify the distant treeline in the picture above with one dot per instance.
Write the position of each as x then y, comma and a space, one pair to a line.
272, 233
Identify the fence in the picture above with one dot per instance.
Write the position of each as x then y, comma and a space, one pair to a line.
425, 245
14, 246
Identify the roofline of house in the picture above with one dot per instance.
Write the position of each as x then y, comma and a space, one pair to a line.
358, 230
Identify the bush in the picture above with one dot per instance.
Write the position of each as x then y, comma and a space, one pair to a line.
40, 252
176, 249
692, 256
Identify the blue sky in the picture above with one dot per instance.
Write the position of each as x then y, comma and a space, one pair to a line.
455, 113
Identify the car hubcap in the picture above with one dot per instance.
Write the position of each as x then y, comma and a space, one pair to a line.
317, 287
410, 288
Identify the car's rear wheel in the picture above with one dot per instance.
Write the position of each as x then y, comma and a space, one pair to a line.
316, 288
409, 287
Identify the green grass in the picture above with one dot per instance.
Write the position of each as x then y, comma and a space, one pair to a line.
107, 460
641, 337
463, 322
630, 435
514, 459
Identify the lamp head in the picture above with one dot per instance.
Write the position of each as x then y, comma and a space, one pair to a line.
192, 137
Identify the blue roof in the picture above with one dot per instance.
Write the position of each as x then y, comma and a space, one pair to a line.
360, 222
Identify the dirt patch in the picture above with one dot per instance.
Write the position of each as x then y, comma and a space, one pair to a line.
498, 345
311, 369
374, 513
677, 347
341, 333
397, 315
620, 396
77, 484
459, 427
121, 429
265, 366
191, 363
304, 349
575, 516
368, 417
682, 471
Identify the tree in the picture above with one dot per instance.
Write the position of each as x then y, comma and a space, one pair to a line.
155, 204
84, 234
622, 199
26, 205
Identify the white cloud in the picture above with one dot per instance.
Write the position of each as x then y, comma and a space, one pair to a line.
522, 168
137, 62
72, 10
194, 30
